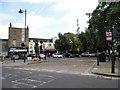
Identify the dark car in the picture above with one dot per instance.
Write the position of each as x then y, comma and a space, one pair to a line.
75, 55
15, 57
69, 55
31, 55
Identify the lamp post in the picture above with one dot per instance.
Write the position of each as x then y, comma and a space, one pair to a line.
13, 52
24, 11
24, 40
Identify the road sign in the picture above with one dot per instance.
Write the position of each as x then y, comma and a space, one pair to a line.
109, 36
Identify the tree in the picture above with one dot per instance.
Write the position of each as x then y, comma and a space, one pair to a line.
67, 42
62, 44
103, 18
36, 47
74, 41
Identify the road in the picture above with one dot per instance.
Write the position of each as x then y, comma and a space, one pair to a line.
56, 73
61, 65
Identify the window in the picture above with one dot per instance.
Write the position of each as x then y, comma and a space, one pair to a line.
14, 34
49, 44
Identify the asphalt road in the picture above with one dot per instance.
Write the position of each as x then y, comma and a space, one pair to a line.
17, 78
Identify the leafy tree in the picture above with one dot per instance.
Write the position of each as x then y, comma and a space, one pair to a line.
36, 47
67, 42
74, 41
103, 18
62, 43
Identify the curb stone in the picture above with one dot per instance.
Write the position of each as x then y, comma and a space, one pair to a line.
106, 74
37, 62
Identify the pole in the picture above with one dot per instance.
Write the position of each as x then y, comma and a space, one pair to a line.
112, 59
25, 36
113, 56
13, 54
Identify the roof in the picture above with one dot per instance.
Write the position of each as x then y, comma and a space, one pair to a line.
4, 39
40, 39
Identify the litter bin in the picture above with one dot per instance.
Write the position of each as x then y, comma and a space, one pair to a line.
101, 57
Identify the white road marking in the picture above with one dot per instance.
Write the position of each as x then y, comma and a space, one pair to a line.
31, 80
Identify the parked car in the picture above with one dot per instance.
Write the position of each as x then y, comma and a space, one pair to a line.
55, 55
31, 55
92, 54
75, 55
16, 57
69, 55
43, 56
87, 54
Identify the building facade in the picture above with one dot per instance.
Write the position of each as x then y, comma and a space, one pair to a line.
16, 36
4, 47
18, 41
47, 45
0, 46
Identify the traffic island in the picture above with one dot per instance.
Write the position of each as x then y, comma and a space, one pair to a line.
37, 60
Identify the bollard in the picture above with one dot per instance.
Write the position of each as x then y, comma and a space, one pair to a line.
112, 64
13, 60
24, 58
98, 60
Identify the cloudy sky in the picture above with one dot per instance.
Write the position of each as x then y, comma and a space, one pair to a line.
45, 18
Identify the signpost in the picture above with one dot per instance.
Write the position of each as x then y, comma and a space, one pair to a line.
109, 35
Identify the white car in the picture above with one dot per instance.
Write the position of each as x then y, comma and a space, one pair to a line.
57, 55
87, 54
92, 55
42, 56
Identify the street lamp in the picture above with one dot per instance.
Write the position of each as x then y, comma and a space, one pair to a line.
24, 11
13, 52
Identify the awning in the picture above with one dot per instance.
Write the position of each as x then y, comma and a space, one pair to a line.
18, 50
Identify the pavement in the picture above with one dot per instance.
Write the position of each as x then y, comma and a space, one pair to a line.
104, 68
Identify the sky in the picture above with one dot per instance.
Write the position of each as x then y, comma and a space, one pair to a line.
45, 18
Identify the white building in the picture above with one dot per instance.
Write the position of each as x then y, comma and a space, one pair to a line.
47, 45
